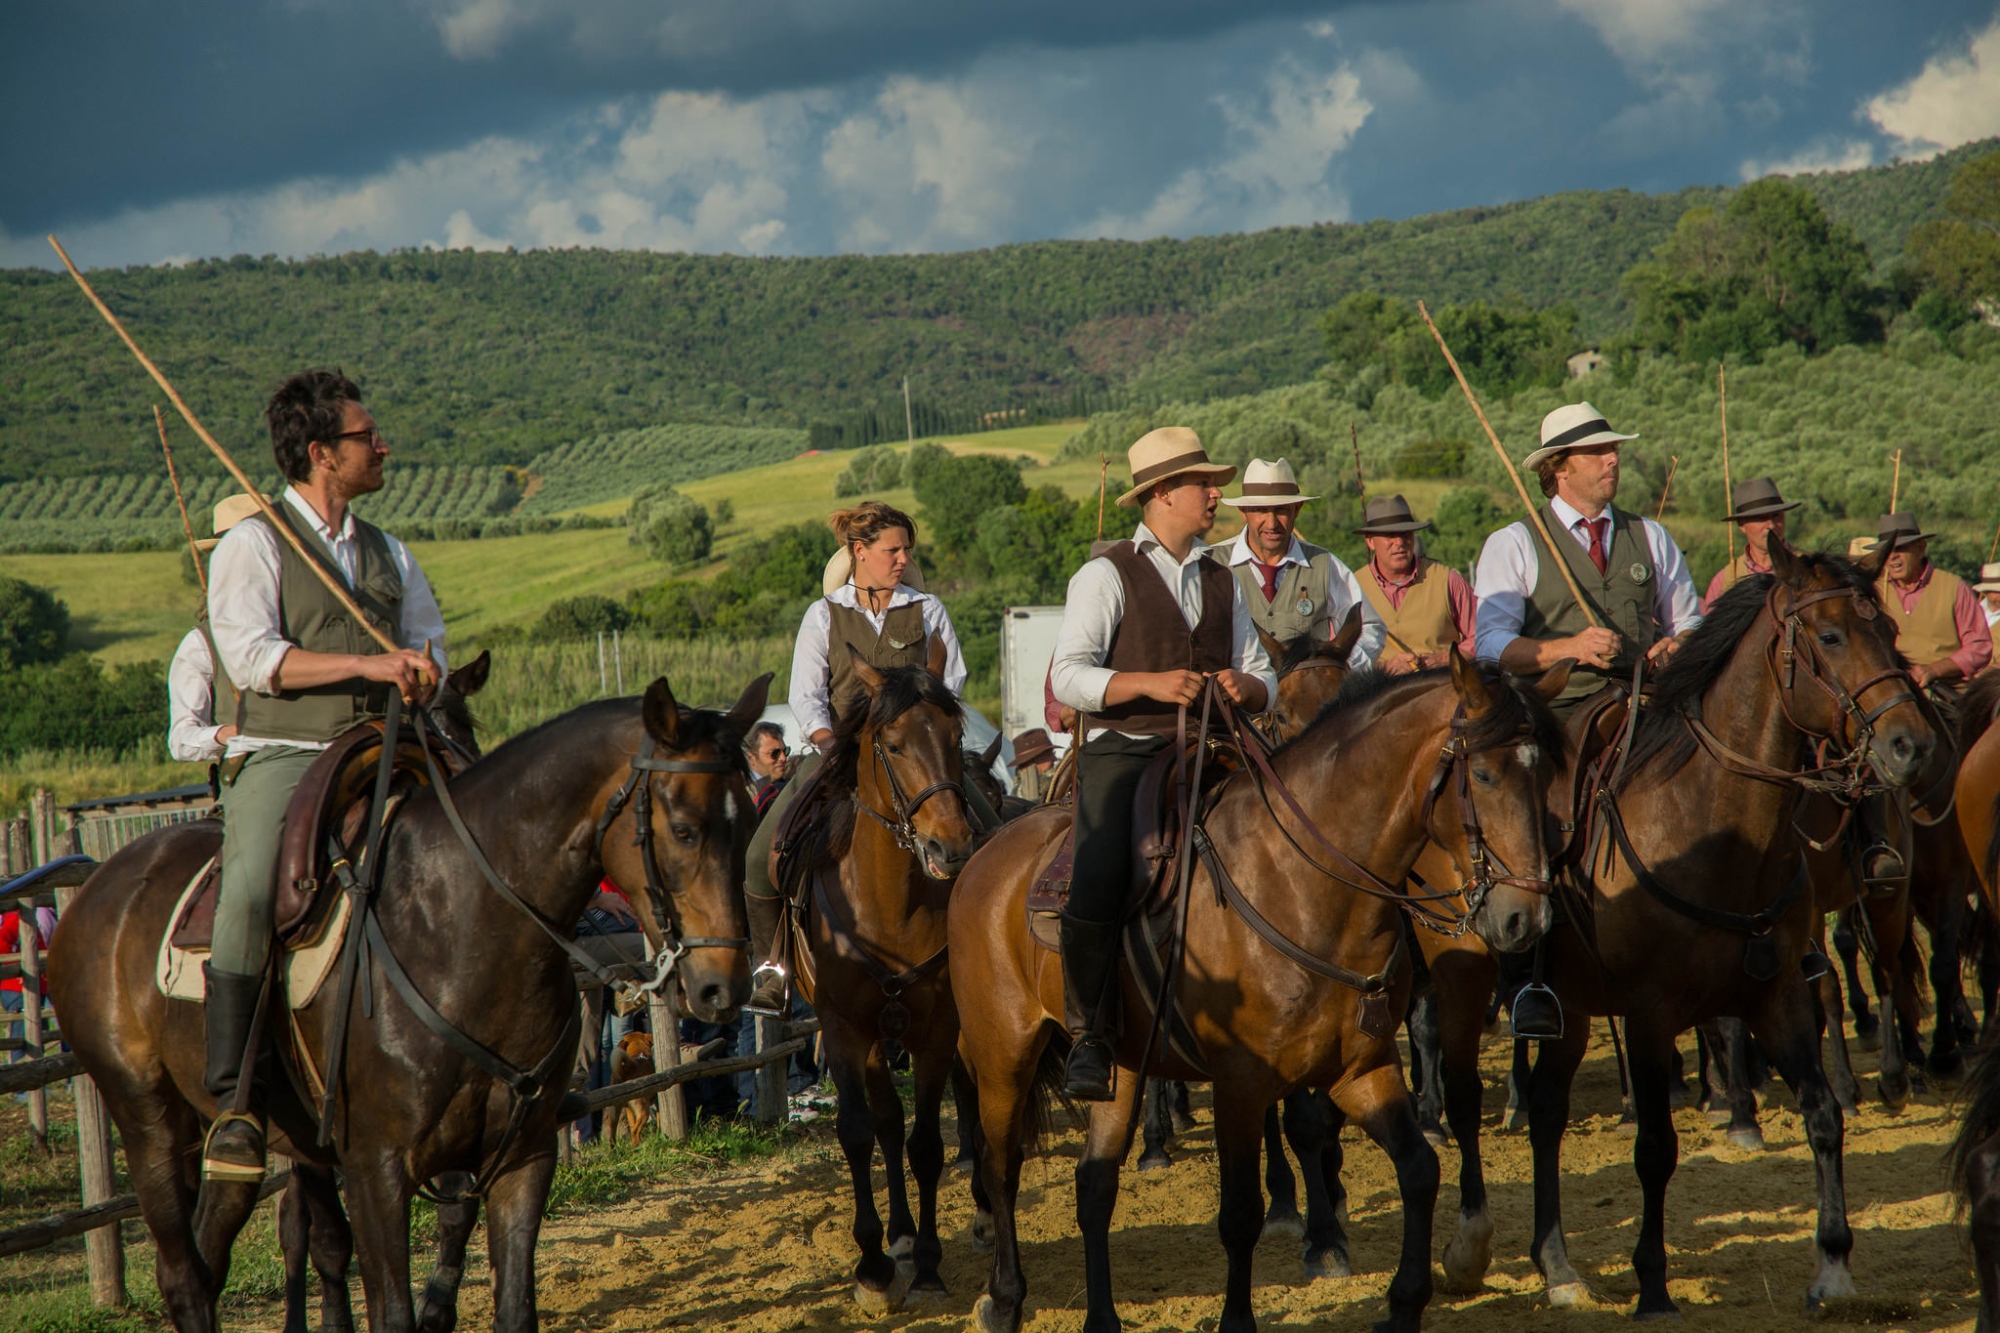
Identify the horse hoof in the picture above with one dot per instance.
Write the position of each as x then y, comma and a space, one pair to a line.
1869, 1038
965, 1166
1286, 1225
925, 1289
1626, 1129
1833, 1282
1517, 1119
1183, 1122
1895, 1098
1469, 1254
1570, 1296
1648, 1316
1327, 1263
1437, 1139
1155, 1162
1750, 1140
875, 1304
987, 1316
1948, 1070
1678, 1096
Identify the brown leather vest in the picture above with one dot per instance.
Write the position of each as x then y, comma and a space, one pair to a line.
903, 642
1153, 635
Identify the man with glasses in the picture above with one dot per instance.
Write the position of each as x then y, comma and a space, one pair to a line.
304, 673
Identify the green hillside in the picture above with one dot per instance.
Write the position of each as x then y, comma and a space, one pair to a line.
494, 358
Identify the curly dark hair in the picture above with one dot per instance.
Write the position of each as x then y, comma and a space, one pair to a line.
305, 408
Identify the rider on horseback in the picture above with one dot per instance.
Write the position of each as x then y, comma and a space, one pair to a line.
1426, 605
304, 673
1291, 587
1142, 626
1757, 507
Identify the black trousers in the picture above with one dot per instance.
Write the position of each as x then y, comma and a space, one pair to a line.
1108, 772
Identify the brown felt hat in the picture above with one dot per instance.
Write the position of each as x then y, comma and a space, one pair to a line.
1899, 530
1032, 747
1390, 516
1170, 451
1757, 498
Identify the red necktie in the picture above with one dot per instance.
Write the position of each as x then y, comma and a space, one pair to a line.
1269, 574
1598, 556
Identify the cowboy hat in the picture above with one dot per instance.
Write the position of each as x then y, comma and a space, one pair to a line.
840, 571
1390, 516
229, 511
1899, 530
1757, 498
1032, 747
1268, 486
1575, 426
1989, 579
1170, 451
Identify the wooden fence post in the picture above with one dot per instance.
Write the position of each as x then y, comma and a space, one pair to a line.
42, 824
31, 1015
103, 1248
769, 1099
663, 1018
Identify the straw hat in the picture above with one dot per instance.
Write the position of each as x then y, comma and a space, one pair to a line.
1989, 579
840, 572
1860, 546
1169, 451
229, 511
1757, 498
1390, 516
1577, 426
1900, 530
1268, 486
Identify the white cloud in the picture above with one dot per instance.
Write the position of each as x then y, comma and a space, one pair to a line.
1823, 155
1647, 33
1955, 98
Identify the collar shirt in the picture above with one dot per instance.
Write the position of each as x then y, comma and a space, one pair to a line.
1509, 566
247, 621
812, 678
1343, 591
191, 725
1992, 614
1096, 603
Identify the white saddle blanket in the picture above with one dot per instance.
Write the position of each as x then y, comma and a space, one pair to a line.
307, 964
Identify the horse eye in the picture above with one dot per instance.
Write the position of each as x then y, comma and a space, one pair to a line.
1830, 637
894, 748
684, 834
1484, 777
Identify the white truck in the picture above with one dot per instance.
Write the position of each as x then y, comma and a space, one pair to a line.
1027, 646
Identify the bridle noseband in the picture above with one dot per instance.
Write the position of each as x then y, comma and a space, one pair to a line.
1455, 764
901, 827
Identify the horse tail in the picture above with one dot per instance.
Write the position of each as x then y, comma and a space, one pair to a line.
1045, 1094
1980, 1121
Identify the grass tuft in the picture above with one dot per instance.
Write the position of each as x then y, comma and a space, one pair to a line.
603, 1173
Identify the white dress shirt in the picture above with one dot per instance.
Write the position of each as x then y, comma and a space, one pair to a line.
248, 623
1509, 567
1095, 604
1342, 591
812, 676
191, 725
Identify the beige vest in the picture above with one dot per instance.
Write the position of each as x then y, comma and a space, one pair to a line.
1303, 593
1927, 631
1423, 624
1737, 570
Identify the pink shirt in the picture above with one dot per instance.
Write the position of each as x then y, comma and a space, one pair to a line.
1716, 586
1464, 606
1975, 637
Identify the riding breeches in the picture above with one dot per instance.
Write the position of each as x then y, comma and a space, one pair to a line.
1108, 771
254, 804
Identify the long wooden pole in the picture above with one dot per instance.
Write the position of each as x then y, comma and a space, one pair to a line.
187, 524
1103, 471
1354, 438
1728, 489
1513, 473
283, 529
1896, 481
1993, 551
1667, 488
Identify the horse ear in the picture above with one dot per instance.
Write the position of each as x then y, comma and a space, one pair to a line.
750, 704
1785, 563
935, 659
1341, 646
470, 679
1553, 681
870, 678
1471, 686
1273, 649
990, 753
1871, 564
662, 714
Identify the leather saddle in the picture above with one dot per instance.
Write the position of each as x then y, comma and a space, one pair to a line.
801, 836
1596, 730
330, 804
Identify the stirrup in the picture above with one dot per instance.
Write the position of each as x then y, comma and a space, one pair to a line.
770, 1006
224, 1169
1536, 1013
1883, 868
1087, 1073
1814, 964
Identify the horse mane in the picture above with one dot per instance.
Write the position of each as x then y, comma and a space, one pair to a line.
1659, 738
903, 688
1519, 712
1297, 652
696, 726
1976, 708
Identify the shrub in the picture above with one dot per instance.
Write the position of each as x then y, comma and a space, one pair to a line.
79, 704
673, 528
954, 492
725, 512
874, 469
1463, 520
922, 458
34, 625
1431, 458
581, 618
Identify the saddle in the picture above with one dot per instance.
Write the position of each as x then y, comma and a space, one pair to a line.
330, 805
801, 836
1596, 730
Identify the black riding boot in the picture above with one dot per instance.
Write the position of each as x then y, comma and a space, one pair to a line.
769, 984
234, 1148
1090, 978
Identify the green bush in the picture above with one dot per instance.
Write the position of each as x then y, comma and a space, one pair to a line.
34, 624
1465, 517
78, 703
956, 491
582, 618
1431, 458
920, 460
674, 529
872, 470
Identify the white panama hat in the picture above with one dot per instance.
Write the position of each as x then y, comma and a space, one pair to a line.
1574, 426
1268, 486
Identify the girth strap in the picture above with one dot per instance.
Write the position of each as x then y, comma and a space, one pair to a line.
845, 939
1744, 923
1277, 939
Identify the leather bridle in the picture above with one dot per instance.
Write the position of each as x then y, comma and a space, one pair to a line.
901, 827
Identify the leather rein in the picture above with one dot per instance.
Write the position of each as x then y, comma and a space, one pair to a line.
902, 827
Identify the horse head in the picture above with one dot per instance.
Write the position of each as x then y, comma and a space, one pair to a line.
448, 711
906, 746
698, 811
1834, 660
1488, 797
1310, 672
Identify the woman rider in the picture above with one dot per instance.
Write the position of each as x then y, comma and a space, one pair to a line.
890, 623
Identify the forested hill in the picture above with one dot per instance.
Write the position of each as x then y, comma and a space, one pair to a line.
490, 358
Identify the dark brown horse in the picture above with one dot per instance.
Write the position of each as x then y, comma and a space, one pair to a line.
1976, 1155
876, 968
415, 1105
1265, 1022
1698, 905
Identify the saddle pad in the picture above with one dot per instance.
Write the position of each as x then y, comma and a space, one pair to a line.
309, 960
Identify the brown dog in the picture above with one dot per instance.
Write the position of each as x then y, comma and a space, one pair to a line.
631, 1058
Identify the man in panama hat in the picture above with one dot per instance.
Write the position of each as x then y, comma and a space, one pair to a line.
1143, 625
193, 734
1939, 625
1988, 589
1426, 606
1293, 588
1629, 568
1756, 507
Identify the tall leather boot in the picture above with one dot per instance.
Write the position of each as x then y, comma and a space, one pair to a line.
234, 1148
1090, 975
770, 986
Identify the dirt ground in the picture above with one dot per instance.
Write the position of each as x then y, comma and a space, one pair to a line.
767, 1248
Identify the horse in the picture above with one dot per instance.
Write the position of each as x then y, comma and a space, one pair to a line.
473, 1029
875, 962
1975, 1157
1296, 989
1693, 902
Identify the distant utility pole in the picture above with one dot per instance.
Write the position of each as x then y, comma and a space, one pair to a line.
909, 420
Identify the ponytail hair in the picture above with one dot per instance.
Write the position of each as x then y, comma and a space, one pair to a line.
867, 521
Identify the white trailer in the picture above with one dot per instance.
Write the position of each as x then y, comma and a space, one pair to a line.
1027, 646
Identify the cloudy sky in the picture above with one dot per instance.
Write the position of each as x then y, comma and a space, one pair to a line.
147, 131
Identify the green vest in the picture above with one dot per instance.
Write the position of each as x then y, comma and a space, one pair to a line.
1622, 597
903, 642
313, 619
1301, 604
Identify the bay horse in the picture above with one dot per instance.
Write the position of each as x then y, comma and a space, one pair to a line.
640, 789
873, 957
1975, 1158
1269, 1017
1694, 901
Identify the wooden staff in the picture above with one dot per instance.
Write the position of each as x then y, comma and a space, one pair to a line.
283, 529
1354, 438
1103, 470
187, 525
1728, 491
1993, 550
1667, 488
1534, 512
1896, 480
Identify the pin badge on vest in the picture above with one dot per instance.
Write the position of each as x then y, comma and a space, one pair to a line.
1305, 606
1640, 572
